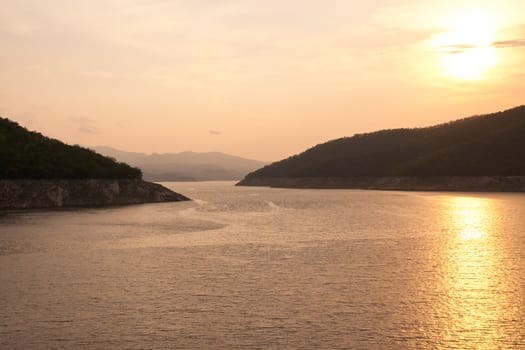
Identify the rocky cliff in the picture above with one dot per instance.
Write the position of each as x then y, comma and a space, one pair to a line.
21, 194
434, 183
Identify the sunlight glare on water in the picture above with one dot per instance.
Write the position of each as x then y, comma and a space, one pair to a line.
478, 279
260, 268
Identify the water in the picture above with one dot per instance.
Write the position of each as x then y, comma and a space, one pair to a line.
258, 268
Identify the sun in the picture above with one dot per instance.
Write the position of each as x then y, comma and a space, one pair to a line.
466, 49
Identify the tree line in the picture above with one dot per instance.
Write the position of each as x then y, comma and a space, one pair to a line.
488, 145
30, 155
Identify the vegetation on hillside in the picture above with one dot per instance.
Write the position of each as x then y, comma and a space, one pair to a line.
30, 155
491, 145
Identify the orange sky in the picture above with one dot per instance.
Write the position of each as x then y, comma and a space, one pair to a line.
260, 79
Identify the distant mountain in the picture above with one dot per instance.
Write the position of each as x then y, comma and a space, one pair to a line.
26, 154
185, 166
488, 145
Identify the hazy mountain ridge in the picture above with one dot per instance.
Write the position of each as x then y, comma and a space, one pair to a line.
185, 166
488, 145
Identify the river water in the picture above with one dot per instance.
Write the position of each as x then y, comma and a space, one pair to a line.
260, 268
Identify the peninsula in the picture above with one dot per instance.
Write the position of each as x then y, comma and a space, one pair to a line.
40, 172
480, 153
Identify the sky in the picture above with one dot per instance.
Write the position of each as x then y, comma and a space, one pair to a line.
258, 79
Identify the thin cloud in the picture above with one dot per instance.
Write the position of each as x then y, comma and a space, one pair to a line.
88, 129
461, 48
85, 125
509, 43
457, 49
215, 132
78, 119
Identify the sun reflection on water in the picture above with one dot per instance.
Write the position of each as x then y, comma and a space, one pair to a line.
471, 217
474, 282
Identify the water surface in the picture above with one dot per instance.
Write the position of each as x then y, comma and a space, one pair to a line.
259, 268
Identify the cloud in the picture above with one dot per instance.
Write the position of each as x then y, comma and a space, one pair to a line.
82, 120
461, 48
89, 129
214, 132
85, 125
509, 43
457, 49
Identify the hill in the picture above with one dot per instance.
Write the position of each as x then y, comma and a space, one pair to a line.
40, 172
185, 166
488, 145
26, 154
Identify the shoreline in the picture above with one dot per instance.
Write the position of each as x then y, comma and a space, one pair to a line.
52, 194
402, 183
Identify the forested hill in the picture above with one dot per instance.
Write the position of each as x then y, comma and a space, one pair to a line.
30, 155
490, 145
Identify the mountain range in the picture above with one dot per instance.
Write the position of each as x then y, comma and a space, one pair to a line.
185, 166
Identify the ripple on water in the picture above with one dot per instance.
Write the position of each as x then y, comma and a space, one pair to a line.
245, 268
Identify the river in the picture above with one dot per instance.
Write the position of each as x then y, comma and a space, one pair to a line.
261, 268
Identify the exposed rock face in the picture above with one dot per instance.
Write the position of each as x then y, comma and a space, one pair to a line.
20, 194
437, 183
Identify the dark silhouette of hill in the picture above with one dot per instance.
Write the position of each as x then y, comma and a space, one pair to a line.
26, 154
488, 145
185, 166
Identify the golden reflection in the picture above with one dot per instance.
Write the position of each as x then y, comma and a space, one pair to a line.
475, 284
470, 217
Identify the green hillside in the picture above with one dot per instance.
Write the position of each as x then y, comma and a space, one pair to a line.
30, 155
489, 145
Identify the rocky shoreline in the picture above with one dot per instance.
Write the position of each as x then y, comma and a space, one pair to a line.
34, 194
435, 183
